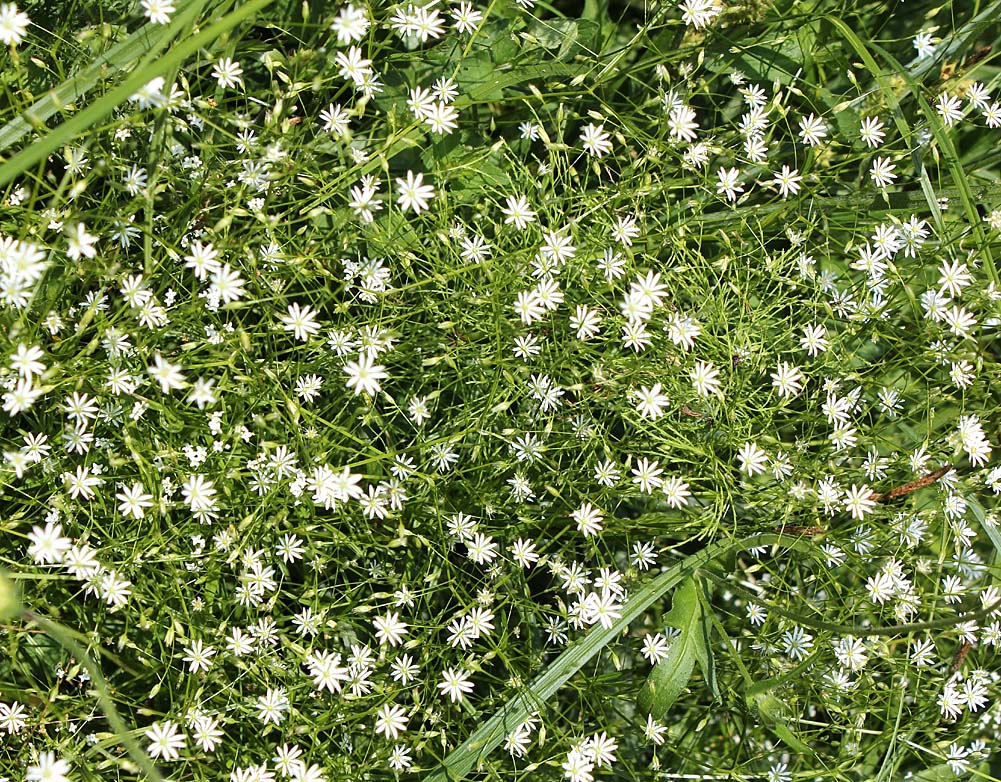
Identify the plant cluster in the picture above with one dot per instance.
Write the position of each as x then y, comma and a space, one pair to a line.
512, 390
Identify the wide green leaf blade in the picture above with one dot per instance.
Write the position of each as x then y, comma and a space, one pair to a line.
462, 760
670, 676
87, 117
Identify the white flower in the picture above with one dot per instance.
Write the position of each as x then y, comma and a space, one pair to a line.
81, 243
158, 11
949, 108
728, 184
47, 768
227, 72
391, 720
168, 375
705, 378
646, 475
198, 656
650, 402
787, 181
797, 643
654, 731
165, 740
698, 13
752, 459
588, 519
655, 648
923, 44
198, 492
953, 277
20, 398
399, 758
327, 672
353, 65
871, 132
518, 212
227, 285
48, 544
814, 339
812, 130
857, 501
681, 122
389, 629
414, 194
12, 717
134, 500
455, 684
81, 483
596, 140
601, 748
202, 259
578, 766
13, 25
202, 393
150, 94
881, 172
441, 118
787, 379
523, 552
586, 322
481, 548
364, 375
301, 321
350, 24
676, 492
271, 706
466, 18
25, 361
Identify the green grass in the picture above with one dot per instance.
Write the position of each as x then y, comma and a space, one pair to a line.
664, 374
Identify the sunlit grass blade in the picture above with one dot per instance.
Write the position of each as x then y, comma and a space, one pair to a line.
147, 40
100, 108
462, 760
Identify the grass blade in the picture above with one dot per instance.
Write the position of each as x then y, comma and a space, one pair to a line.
462, 760
79, 123
144, 41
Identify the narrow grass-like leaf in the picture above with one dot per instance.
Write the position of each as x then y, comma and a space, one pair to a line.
990, 529
462, 760
898, 117
959, 42
10, 600
949, 49
67, 638
79, 123
948, 151
147, 40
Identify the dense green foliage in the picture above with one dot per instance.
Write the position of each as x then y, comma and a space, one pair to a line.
519, 391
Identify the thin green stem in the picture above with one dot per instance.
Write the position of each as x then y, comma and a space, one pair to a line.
67, 638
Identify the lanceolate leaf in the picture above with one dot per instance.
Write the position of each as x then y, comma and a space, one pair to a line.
464, 758
670, 676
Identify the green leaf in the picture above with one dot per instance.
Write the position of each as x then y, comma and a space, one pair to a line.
10, 600
767, 63
464, 758
988, 527
774, 714
782, 731
147, 69
72, 90
670, 676
940, 773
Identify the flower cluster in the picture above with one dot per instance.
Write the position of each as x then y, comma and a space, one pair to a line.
364, 366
